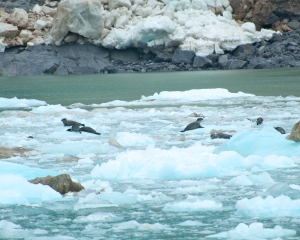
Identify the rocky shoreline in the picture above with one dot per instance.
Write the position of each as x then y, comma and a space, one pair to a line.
43, 37
281, 51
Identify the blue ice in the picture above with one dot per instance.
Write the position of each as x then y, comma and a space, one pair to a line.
267, 141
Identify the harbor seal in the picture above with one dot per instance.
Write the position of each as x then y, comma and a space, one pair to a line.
193, 125
280, 129
219, 134
89, 130
68, 123
75, 128
258, 120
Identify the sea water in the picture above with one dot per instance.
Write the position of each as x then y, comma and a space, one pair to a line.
158, 183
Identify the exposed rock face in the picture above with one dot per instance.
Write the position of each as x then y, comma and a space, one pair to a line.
266, 12
78, 16
61, 183
48, 59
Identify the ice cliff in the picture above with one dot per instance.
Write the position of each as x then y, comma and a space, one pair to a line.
203, 26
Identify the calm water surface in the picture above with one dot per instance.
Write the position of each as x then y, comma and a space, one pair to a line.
101, 88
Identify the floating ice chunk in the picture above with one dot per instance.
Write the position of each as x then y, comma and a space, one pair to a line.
140, 226
25, 171
104, 199
175, 97
19, 103
97, 217
193, 203
134, 139
282, 189
251, 180
281, 206
16, 189
190, 223
195, 95
9, 230
254, 231
55, 108
265, 142
181, 163
78, 147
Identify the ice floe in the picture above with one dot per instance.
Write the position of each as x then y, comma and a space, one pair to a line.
20, 103
254, 231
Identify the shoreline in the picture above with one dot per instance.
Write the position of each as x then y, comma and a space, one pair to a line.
278, 52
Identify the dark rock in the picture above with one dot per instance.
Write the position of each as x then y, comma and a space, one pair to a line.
181, 56
213, 57
148, 56
247, 49
202, 62
61, 183
272, 18
223, 60
163, 57
9, 5
294, 24
127, 55
275, 38
235, 64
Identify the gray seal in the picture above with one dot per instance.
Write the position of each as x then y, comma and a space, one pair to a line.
75, 128
220, 135
68, 123
89, 130
193, 125
280, 129
259, 120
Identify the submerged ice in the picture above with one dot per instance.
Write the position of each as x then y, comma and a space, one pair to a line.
161, 183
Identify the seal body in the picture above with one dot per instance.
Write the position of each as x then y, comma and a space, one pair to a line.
89, 130
220, 135
75, 128
193, 125
259, 120
69, 123
280, 129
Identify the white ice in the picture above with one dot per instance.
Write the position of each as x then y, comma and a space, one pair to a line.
264, 142
177, 97
20, 103
180, 163
191, 25
193, 203
25, 171
254, 231
15, 189
246, 180
268, 207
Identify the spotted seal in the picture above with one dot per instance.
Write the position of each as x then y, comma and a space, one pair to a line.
68, 123
89, 130
193, 125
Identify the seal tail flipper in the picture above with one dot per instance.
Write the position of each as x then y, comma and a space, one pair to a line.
182, 131
69, 130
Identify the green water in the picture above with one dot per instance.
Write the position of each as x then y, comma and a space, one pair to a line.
101, 88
